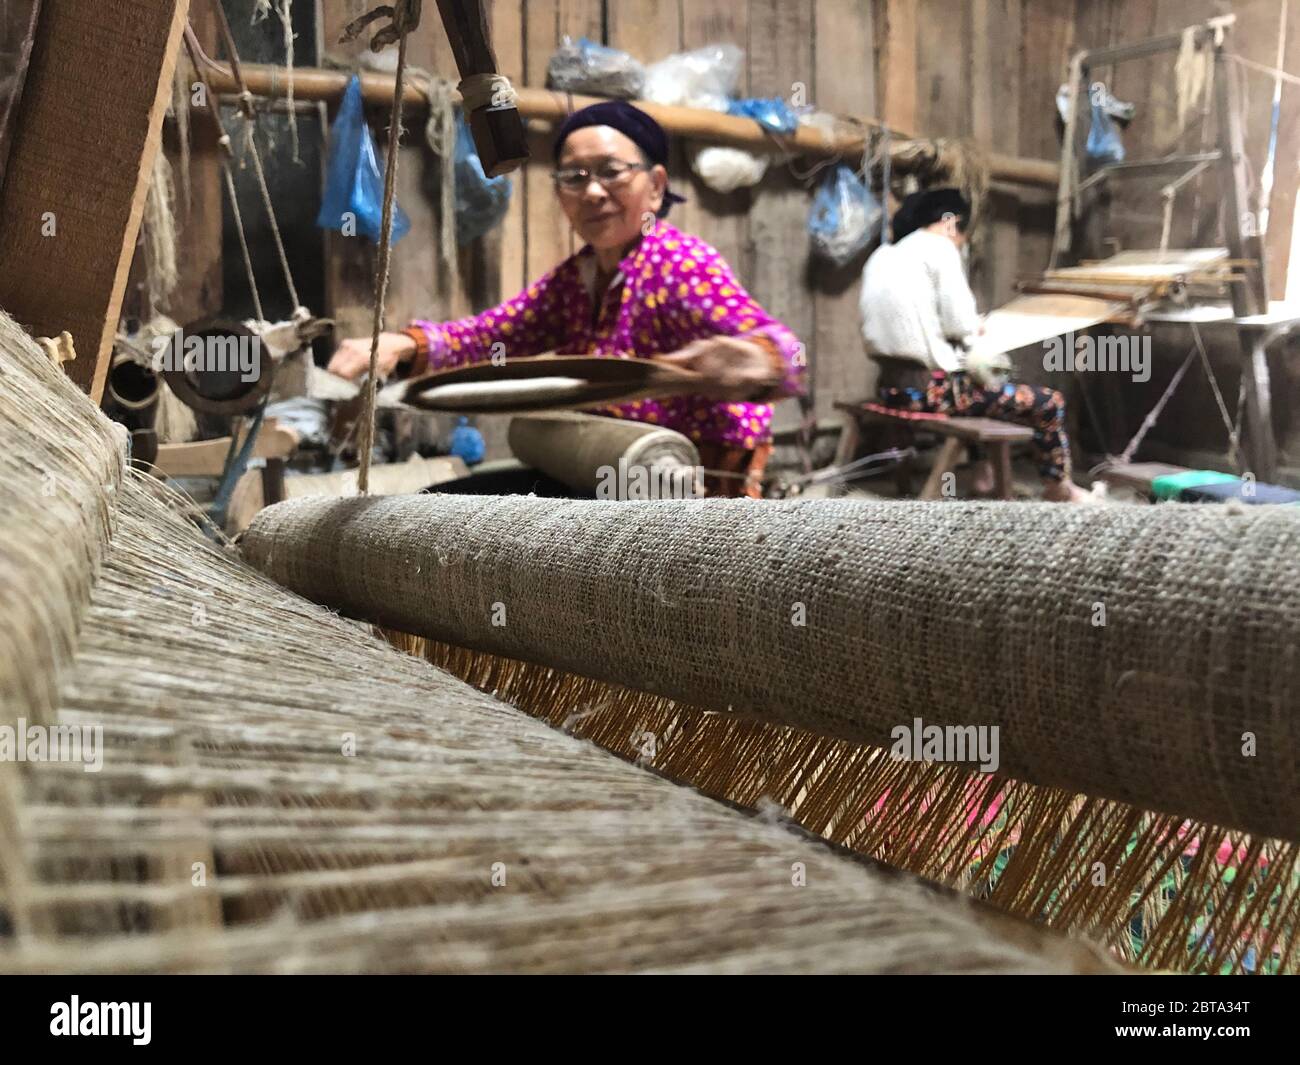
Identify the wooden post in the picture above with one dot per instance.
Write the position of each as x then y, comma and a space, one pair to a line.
84, 143
1249, 296
497, 128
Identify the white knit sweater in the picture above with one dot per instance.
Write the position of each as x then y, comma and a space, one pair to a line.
916, 302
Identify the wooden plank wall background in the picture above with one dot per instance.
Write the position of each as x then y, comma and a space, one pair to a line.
982, 69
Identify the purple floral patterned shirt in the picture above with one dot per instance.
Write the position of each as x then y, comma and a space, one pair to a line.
671, 289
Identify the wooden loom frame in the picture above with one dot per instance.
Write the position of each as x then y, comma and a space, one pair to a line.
1249, 288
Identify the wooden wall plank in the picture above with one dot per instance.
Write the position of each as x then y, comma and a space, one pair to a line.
507, 21
648, 30
1286, 184
943, 69
897, 90
549, 236
994, 78
547, 232
720, 218
844, 69
776, 266
1256, 37
421, 284
1047, 42
68, 140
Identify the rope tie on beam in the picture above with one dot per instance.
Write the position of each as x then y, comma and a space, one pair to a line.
487, 90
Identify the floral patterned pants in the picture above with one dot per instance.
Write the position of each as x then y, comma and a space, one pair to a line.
957, 394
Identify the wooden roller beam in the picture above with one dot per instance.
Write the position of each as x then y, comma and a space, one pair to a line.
313, 83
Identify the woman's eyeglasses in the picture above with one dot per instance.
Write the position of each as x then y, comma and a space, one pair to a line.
575, 180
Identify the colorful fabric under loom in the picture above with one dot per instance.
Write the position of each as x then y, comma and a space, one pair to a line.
671, 289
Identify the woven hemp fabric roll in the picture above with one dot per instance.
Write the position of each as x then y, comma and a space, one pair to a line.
958, 614
607, 456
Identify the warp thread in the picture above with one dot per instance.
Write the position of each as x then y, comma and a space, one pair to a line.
221, 744
1177, 894
879, 634
842, 619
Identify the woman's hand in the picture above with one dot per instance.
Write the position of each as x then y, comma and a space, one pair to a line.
352, 357
735, 369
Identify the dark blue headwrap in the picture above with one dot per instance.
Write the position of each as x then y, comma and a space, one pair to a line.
633, 123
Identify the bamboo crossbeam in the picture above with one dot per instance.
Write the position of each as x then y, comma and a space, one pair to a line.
315, 83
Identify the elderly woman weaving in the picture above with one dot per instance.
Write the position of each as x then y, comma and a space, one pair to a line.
639, 288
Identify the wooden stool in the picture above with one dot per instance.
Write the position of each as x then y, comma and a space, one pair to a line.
956, 432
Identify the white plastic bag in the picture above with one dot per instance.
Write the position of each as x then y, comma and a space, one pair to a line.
705, 78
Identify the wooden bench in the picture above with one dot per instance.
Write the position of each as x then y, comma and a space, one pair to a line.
1141, 477
1138, 475
956, 433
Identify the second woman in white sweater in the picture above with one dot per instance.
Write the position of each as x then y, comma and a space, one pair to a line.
918, 315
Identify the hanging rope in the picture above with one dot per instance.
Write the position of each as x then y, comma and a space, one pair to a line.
405, 15
440, 135
284, 12
249, 111
1264, 68
227, 153
180, 114
243, 241
251, 145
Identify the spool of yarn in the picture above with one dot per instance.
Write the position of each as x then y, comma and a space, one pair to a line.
589, 453
133, 385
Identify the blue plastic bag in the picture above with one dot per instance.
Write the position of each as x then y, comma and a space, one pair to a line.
481, 201
845, 216
773, 114
467, 442
1104, 145
354, 180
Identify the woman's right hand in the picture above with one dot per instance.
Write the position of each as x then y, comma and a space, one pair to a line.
351, 359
